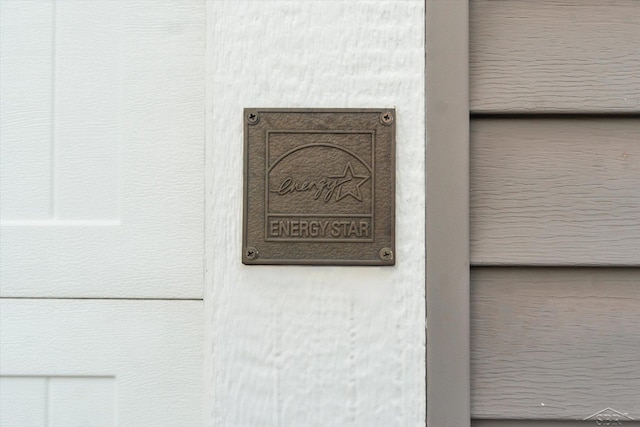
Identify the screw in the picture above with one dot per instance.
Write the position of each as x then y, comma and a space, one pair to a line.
386, 254
386, 118
251, 253
253, 118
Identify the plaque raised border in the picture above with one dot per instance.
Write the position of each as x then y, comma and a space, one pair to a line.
319, 186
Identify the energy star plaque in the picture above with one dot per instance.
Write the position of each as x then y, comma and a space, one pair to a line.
319, 186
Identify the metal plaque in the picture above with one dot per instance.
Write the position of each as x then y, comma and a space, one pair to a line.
319, 186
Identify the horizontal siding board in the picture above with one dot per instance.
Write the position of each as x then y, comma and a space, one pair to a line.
555, 56
554, 343
555, 191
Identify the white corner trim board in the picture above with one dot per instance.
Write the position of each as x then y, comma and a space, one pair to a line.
314, 345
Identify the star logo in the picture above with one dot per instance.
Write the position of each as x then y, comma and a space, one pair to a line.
348, 184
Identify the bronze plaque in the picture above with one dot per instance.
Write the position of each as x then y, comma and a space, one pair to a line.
319, 186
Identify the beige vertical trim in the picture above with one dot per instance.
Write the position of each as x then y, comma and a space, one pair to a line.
447, 100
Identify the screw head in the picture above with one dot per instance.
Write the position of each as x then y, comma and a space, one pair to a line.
251, 253
386, 254
253, 117
386, 118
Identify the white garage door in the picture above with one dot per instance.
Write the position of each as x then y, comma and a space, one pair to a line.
102, 212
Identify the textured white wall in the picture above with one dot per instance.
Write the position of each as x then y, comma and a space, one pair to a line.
314, 345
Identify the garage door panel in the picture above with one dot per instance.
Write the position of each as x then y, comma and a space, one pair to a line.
555, 343
94, 361
555, 56
23, 401
555, 191
102, 149
56, 401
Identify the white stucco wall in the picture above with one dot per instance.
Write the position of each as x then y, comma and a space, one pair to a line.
294, 346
